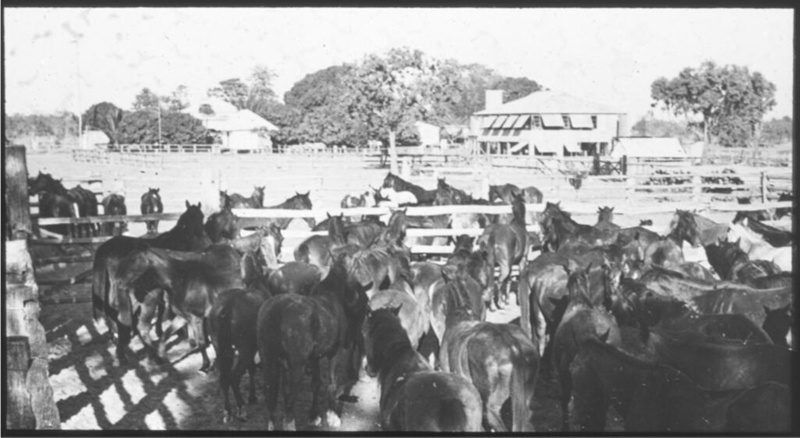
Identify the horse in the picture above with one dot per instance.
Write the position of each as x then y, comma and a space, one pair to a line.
733, 264
784, 211
507, 244
581, 320
424, 197
393, 198
414, 316
413, 396
151, 204
186, 235
351, 201
315, 250
454, 282
318, 333
232, 328
498, 359
506, 192
770, 234
761, 215
192, 282
114, 205
650, 397
256, 200
294, 278
559, 228
708, 230
721, 366
56, 201
763, 409
605, 220
378, 267
221, 225
300, 201
446, 191
757, 249
224, 200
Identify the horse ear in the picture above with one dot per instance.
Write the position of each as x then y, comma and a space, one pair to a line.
159, 189
611, 210
604, 337
188, 204
307, 193
199, 205
328, 214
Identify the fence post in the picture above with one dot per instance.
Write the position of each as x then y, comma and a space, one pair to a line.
16, 180
20, 412
405, 170
763, 186
697, 187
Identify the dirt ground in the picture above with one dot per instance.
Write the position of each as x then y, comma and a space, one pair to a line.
93, 391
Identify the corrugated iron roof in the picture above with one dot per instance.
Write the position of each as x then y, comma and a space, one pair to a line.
648, 147
550, 102
244, 120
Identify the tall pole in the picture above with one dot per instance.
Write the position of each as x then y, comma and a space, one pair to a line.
159, 123
78, 91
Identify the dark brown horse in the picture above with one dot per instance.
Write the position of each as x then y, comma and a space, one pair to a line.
506, 192
424, 197
498, 359
256, 200
114, 205
733, 264
318, 333
650, 397
413, 396
222, 225
350, 201
300, 201
560, 229
151, 204
232, 328
581, 321
294, 278
315, 250
56, 201
186, 235
192, 282
507, 245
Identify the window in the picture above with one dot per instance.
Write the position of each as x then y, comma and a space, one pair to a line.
594, 122
580, 121
506, 132
521, 122
486, 131
552, 121
536, 121
565, 118
516, 132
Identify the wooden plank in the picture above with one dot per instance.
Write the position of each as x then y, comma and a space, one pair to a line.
72, 241
104, 219
62, 260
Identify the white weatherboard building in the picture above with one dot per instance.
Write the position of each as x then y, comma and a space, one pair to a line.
545, 123
239, 129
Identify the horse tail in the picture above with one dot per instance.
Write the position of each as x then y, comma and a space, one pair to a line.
523, 295
523, 381
99, 285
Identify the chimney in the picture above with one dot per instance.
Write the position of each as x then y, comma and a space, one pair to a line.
494, 99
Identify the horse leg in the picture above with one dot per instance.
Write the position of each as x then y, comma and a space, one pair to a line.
243, 363
273, 371
332, 418
174, 325
198, 325
501, 295
251, 371
144, 324
293, 376
314, 413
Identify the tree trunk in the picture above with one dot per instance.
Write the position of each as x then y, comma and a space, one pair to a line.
705, 130
393, 152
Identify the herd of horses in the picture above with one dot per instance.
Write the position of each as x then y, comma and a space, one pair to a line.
615, 315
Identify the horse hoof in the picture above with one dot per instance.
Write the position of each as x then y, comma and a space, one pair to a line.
270, 426
227, 418
290, 426
317, 422
333, 420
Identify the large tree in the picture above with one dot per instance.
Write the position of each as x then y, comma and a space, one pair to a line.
178, 100
777, 131
141, 127
730, 100
390, 92
146, 100
106, 117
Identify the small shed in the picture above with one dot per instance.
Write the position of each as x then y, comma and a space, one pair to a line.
91, 139
647, 147
695, 150
428, 134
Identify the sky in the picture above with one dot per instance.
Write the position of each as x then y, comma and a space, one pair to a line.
68, 59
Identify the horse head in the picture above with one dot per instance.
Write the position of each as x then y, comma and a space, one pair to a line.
389, 181
494, 194
518, 208
191, 221
684, 228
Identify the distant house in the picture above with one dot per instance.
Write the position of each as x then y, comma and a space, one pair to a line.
647, 147
545, 123
454, 134
238, 129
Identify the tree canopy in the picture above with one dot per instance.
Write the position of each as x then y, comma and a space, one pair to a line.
730, 100
141, 127
106, 117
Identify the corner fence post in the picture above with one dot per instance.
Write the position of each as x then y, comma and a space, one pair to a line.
763, 186
16, 180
